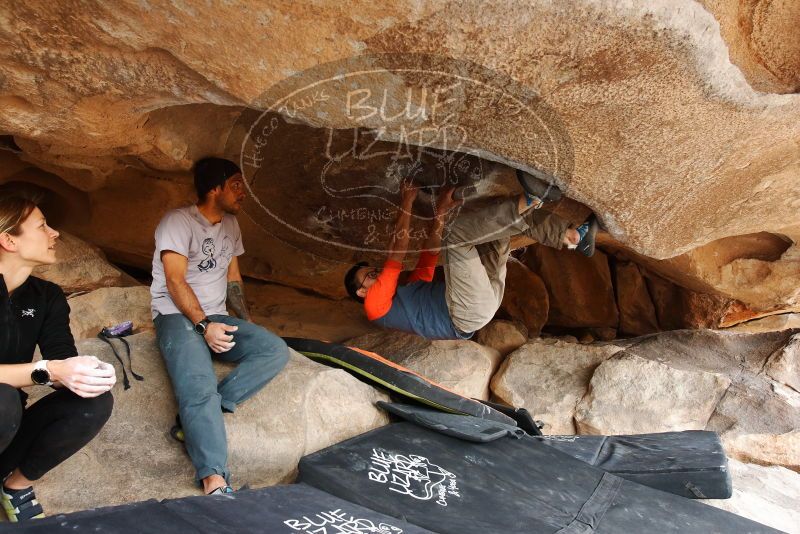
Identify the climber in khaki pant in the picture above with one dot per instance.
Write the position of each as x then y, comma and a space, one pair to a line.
476, 250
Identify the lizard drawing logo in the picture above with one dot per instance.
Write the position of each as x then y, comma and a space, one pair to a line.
413, 475
208, 263
341, 522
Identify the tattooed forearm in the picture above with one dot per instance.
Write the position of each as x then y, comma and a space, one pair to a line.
237, 301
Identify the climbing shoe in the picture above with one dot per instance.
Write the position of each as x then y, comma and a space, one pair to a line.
222, 490
587, 232
20, 505
539, 185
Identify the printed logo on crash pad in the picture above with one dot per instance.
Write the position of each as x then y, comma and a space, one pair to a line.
413, 475
339, 522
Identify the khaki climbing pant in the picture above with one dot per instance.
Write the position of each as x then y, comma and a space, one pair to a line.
476, 250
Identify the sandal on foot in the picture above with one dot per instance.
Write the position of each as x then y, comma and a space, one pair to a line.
20, 505
222, 490
176, 432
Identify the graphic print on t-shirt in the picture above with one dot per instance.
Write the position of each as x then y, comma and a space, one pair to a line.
227, 248
208, 262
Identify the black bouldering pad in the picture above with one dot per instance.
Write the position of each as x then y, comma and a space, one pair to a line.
141, 517
398, 379
691, 463
296, 508
452, 486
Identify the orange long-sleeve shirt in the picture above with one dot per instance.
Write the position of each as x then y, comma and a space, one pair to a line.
379, 297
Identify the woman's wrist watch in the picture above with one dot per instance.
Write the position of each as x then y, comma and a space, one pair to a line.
40, 374
200, 327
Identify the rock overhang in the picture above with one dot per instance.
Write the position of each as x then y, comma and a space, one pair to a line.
664, 133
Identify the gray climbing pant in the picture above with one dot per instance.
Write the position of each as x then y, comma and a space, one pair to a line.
476, 250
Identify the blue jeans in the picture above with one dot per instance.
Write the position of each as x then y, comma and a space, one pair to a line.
201, 400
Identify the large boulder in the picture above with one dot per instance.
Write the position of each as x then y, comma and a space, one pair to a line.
667, 381
308, 406
771, 323
502, 336
462, 366
754, 32
580, 288
784, 365
754, 402
677, 307
756, 405
525, 298
549, 377
633, 395
637, 315
109, 306
81, 267
766, 449
769, 495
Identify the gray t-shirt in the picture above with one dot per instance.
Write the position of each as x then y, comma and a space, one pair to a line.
209, 248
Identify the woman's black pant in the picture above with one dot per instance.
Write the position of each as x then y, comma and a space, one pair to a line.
38, 438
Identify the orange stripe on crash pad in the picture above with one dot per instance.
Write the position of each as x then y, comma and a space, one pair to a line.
401, 368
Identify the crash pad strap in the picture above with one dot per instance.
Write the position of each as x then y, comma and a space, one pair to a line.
595, 507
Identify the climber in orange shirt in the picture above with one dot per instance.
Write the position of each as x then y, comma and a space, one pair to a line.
475, 250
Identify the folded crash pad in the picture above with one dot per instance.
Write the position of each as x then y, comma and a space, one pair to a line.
464, 427
691, 463
395, 377
296, 508
453, 486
